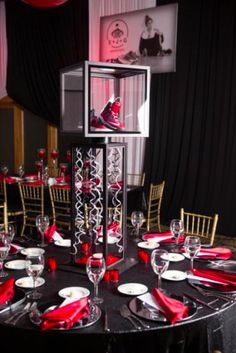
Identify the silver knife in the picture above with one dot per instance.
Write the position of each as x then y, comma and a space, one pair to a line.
200, 301
13, 306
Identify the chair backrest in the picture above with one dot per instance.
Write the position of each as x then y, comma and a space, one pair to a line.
200, 225
3, 191
136, 179
61, 205
154, 205
32, 198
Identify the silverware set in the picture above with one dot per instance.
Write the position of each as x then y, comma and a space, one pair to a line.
126, 313
208, 293
13, 319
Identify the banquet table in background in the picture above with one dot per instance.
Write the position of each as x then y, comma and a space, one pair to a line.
205, 332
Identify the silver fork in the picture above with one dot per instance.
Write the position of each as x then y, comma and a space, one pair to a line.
126, 313
207, 293
28, 310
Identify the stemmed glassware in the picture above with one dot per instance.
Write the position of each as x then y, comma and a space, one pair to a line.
63, 168
10, 232
176, 228
160, 263
4, 170
4, 250
192, 246
96, 268
20, 171
42, 222
39, 166
137, 219
34, 265
68, 156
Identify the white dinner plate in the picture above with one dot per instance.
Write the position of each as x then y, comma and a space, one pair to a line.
148, 245
174, 275
74, 292
15, 265
66, 243
32, 251
27, 282
173, 257
132, 288
110, 240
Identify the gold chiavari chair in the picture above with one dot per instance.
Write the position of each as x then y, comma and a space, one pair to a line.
136, 179
61, 206
8, 212
200, 225
154, 206
32, 198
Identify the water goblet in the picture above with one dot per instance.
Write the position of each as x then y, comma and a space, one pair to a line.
95, 269
63, 168
34, 265
137, 219
4, 170
176, 228
160, 263
39, 166
20, 171
42, 223
68, 156
4, 250
192, 246
10, 232
54, 155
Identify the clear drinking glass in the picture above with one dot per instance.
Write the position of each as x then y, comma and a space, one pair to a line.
63, 169
39, 166
160, 263
34, 266
42, 222
192, 246
96, 267
10, 232
41, 153
20, 171
4, 170
137, 219
4, 250
176, 228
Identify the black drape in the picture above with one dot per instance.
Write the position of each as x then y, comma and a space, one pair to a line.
192, 141
40, 43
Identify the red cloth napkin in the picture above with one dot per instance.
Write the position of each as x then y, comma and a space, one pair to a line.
34, 183
10, 180
61, 186
173, 309
65, 316
50, 231
7, 290
111, 259
143, 256
225, 278
167, 233
66, 178
219, 253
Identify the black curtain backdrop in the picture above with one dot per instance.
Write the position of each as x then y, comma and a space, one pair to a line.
192, 142
40, 43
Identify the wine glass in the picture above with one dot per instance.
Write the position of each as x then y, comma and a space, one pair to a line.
41, 152
34, 265
4, 250
176, 228
63, 168
20, 171
10, 232
137, 219
4, 170
96, 268
192, 246
160, 263
39, 166
54, 155
42, 222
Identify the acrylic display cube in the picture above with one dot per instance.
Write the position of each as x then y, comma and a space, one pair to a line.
105, 100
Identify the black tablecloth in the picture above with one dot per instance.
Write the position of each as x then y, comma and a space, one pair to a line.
205, 332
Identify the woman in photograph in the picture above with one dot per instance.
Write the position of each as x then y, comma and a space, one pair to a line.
151, 39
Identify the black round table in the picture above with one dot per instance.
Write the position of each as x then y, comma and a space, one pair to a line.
207, 331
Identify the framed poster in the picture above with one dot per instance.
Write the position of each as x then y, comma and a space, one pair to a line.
144, 37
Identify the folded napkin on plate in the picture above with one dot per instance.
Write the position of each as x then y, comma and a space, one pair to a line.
14, 249
51, 234
173, 309
61, 178
6, 290
65, 316
224, 278
163, 237
219, 253
10, 180
34, 183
